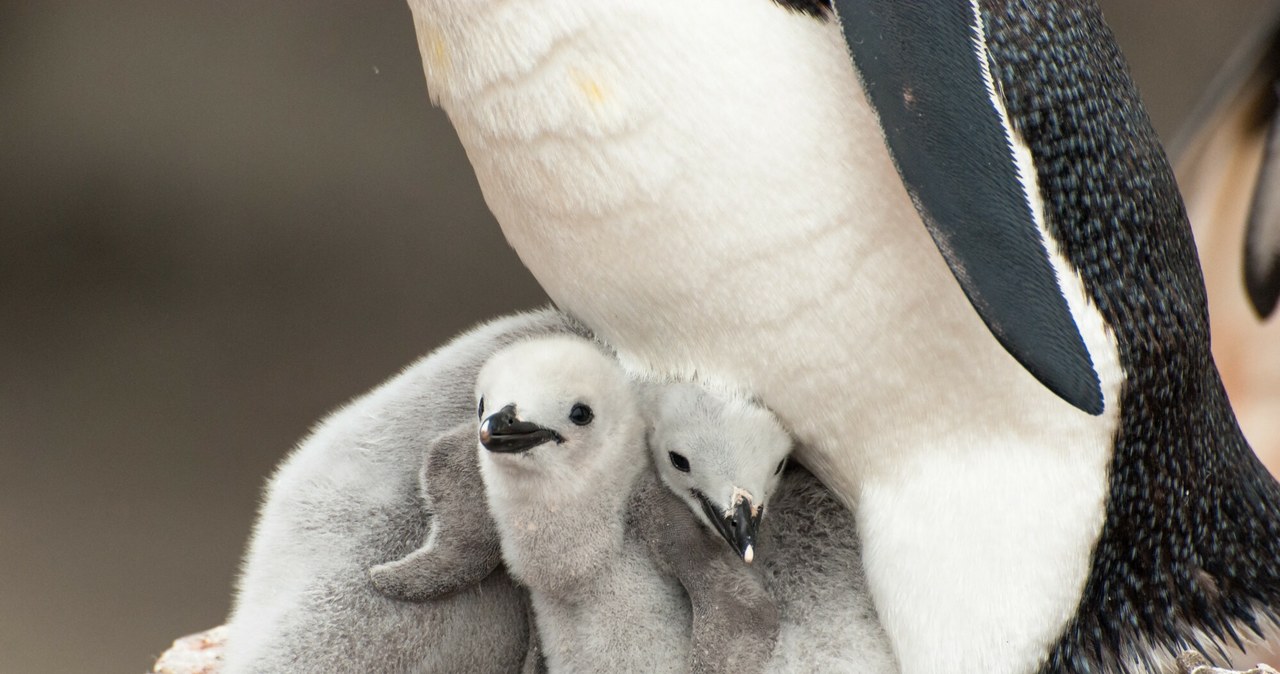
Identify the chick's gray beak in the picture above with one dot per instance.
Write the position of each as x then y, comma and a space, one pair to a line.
738, 525
502, 432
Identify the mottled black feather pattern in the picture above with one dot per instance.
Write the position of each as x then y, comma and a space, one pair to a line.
1191, 540
816, 8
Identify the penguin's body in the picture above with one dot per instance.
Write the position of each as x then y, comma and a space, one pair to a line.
347, 499
708, 187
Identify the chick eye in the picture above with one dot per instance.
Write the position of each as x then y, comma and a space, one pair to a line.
480, 412
678, 460
781, 465
581, 414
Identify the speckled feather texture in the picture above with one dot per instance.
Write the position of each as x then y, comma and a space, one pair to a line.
1189, 555
347, 499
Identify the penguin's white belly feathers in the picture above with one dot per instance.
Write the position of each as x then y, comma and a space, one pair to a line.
704, 184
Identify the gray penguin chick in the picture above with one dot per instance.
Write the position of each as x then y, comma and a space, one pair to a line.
347, 499
724, 455
563, 459
720, 456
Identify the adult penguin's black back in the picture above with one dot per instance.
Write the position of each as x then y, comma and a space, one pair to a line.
1189, 555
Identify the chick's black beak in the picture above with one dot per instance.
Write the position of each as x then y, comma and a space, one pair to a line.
738, 525
503, 432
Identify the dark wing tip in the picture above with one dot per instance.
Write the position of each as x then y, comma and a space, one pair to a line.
1068, 374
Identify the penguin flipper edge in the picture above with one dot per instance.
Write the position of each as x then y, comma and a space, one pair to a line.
924, 69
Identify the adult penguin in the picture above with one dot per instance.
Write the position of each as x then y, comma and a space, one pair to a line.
711, 187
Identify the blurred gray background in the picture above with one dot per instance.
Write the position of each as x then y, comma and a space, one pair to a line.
218, 221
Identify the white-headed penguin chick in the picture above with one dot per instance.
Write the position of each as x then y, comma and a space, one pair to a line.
720, 452
724, 454
347, 499
719, 456
563, 455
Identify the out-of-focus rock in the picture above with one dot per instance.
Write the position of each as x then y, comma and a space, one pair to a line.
195, 654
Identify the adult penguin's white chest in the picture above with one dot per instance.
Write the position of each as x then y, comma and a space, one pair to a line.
703, 183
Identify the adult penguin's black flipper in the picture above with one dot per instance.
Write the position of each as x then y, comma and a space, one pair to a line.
1262, 239
924, 67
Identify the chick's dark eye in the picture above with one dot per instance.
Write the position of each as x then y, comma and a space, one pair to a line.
678, 460
581, 414
480, 412
781, 465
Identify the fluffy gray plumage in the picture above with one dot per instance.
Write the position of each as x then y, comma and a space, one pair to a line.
808, 547
347, 499
812, 563
462, 548
728, 448
734, 619
601, 602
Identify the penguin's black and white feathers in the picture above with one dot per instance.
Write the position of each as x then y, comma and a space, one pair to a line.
925, 68
1189, 554
820, 9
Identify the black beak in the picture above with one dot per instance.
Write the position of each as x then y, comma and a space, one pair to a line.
738, 527
503, 432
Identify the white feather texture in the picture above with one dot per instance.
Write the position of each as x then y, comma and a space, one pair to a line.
704, 185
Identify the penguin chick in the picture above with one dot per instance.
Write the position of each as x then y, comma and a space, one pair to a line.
718, 456
462, 547
707, 442
721, 453
563, 457
345, 500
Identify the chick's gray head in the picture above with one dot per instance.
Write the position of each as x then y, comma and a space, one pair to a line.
719, 451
